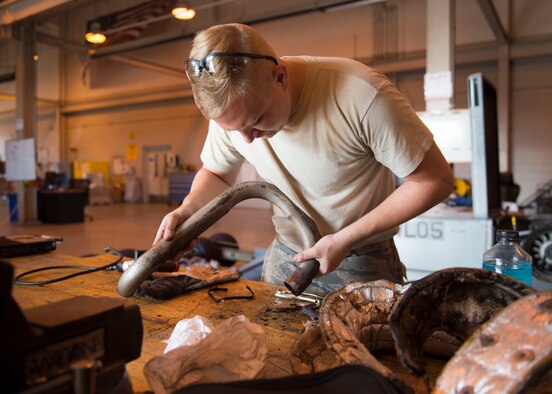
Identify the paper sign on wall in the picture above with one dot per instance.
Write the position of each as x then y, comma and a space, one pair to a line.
438, 85
20, 160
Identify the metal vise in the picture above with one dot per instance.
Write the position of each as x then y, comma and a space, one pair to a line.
78, 345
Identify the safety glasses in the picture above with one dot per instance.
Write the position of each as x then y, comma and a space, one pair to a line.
215, 61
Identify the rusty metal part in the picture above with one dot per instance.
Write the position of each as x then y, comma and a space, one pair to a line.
456, 301
506, 354
310, 353
204, 218
355, 318
311, 311
302, 277
353, 322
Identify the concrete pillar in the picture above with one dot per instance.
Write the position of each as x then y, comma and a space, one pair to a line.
25, 111
25, 84
439, 77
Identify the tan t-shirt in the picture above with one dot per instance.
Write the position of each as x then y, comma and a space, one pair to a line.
335, 157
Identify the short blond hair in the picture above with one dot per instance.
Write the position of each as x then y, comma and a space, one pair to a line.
213, 93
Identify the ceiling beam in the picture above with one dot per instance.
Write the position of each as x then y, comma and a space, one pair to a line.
7, 77
12, 11
73, 46
61, 42
494, 21
174, 72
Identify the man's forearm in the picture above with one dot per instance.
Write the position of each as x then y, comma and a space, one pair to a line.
408, 201
206, 186
427, 186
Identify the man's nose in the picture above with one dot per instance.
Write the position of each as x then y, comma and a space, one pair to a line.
247, 135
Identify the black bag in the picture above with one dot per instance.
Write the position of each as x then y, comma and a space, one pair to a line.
348, 379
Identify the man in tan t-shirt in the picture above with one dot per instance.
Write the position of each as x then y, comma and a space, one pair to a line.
329, 133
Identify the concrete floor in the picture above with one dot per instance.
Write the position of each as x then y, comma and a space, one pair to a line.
133, 226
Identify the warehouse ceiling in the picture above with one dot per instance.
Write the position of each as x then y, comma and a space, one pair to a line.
140, 23
134, 24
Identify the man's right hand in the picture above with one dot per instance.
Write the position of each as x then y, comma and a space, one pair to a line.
169, 224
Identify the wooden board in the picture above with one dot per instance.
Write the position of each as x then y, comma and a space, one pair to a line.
282, 320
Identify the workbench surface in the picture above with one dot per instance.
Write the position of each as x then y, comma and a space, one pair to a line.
282, 320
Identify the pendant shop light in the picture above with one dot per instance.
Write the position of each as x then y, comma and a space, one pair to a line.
183, 11
95, 36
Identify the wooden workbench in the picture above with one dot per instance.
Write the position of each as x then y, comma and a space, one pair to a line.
281, 322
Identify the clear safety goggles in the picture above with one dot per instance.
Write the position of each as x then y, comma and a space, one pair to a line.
215, 61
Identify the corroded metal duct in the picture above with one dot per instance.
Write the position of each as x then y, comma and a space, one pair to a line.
512, 353
454, 300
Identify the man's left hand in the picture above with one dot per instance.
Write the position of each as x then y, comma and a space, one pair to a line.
328, 251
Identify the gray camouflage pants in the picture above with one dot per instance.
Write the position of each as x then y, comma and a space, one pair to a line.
376, 261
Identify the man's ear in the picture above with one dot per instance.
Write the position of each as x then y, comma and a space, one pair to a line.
281, 75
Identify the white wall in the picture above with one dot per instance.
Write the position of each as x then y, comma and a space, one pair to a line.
532, 123
385, 33
102, 135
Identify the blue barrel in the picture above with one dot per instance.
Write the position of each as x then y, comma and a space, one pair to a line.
12, 197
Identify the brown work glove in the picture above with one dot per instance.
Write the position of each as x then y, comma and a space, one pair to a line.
168, 285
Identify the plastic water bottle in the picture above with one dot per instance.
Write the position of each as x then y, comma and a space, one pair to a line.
508, 258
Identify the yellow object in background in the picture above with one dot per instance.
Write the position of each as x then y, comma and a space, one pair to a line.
83, 168
461, 187
132, 152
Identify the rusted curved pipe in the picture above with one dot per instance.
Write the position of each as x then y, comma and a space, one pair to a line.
204, 218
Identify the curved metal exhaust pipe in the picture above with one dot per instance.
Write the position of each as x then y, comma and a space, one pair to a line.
204, 218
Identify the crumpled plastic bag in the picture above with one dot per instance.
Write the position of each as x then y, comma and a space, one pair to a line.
188, 332
235, 350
